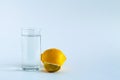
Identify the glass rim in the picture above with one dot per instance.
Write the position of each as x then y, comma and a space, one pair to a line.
31, 31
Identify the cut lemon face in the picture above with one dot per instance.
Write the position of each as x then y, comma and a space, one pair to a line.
51, 67
53, 59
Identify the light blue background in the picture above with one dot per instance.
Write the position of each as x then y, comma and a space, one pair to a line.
88, 31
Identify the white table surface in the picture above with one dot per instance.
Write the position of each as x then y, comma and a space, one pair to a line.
91, 55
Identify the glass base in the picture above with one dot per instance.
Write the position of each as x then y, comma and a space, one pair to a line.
30, 68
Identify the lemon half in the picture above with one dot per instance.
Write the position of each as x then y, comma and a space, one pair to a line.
53, 59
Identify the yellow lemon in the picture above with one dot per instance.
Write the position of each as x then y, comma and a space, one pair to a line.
53, 59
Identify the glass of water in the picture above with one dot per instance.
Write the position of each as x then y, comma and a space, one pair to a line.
31, 49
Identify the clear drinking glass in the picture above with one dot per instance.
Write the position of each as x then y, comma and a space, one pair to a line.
31, 49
